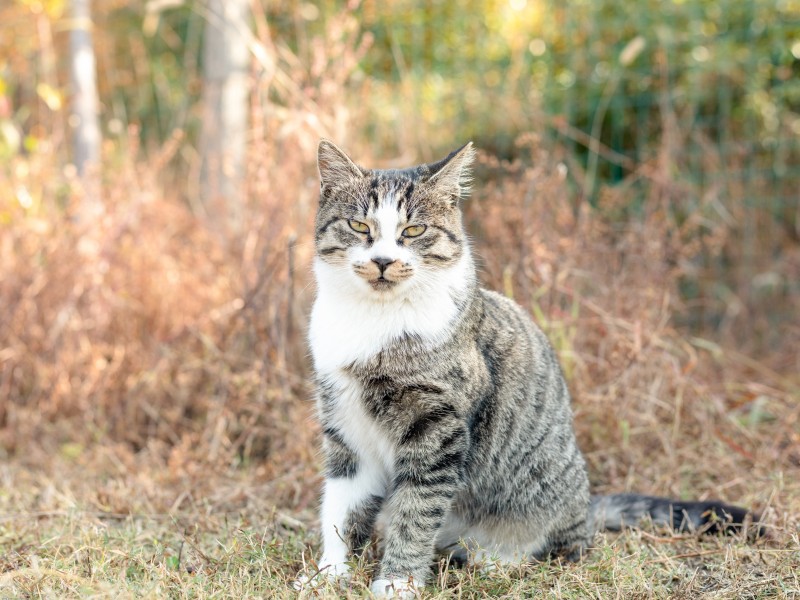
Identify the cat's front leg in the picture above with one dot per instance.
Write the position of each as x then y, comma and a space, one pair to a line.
429, 470
349, 509
351, 500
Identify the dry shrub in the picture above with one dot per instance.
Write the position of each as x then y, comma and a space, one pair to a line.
145, 325
657, 409
146, 337
149, 349
150, 345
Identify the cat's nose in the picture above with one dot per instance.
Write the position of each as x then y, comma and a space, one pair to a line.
382, 262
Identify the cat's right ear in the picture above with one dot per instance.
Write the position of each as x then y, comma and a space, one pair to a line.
335, 167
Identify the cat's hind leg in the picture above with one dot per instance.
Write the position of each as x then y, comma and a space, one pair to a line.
569, 541
487, 547
506, 544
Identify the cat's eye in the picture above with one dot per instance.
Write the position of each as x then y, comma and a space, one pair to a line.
358, 226
414, 231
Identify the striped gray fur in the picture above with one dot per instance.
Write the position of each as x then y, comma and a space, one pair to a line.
615, 511
455, 424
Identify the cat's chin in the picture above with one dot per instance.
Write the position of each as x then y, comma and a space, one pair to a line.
382, 285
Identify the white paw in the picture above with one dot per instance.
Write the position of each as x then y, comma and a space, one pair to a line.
337, 573
393, 588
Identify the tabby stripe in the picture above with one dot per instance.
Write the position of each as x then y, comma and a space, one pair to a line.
439, 257
456, 372
340, 463
432, 492
417, 535
483, 415
426, 389
373, 193
450, 235
409, 517
448, 448
426, 480
360, 523
457, 435
559, 476
405, 196
446, 461
426, 242
348, 238
326, 388
492, 362
334, 435
409, 191
342, 470
419, 427
524, 459
380, 380
324, 228
406, 557
436, 512
331, 250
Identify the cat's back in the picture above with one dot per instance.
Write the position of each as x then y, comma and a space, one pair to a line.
520, 425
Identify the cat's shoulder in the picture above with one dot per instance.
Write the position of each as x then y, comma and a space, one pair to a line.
499, 315
500, 306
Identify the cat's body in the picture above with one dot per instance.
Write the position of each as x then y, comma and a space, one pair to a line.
443, 406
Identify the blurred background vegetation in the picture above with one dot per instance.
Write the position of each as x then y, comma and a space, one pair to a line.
637, 190
697, 98
676, 120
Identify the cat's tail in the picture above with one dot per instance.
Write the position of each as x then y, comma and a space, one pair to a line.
616, 511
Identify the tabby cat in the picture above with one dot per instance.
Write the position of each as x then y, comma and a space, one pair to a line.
443, 407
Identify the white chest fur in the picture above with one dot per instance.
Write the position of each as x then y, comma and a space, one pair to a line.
361, 432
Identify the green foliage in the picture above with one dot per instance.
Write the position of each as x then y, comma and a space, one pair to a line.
154, 65
728, 69
623, 72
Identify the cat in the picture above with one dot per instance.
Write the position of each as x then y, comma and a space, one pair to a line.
443, 407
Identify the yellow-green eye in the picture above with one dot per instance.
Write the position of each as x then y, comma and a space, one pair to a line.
414, 231
358, 226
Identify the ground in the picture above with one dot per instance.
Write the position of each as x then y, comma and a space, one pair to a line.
218, 536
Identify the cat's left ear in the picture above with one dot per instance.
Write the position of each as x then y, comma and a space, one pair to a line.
452, 176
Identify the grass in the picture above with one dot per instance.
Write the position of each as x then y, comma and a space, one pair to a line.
56, 542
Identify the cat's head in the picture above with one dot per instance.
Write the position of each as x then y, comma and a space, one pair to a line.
386, 232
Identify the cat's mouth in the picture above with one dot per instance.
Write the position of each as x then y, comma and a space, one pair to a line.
382, 284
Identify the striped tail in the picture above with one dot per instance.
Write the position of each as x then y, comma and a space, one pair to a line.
616, 511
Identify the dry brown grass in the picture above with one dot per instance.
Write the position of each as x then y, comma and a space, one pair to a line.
150, 331
154, 380
152, 367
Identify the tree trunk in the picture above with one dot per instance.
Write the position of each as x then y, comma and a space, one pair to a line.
225, 98
83, 118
